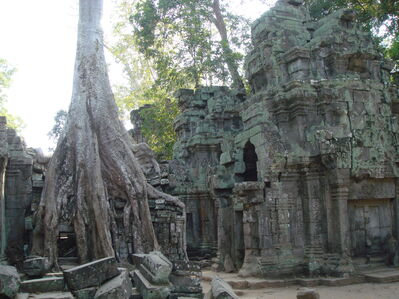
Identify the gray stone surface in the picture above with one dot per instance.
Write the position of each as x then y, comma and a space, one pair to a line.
118, 287
156, 268
221, 289
9, 281
43, 285
3, 165
35, 266
186, 279
307, 294
87, 293
286, 180
92, 274
228, 264
148, 290
50, 295
17, 195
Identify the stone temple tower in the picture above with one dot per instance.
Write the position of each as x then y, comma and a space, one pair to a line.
302, 174
322, 123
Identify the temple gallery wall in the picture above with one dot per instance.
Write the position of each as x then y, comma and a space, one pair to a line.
298, 177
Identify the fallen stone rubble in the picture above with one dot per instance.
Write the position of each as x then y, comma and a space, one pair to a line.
220, 290
9, 281
154, 277
307, 294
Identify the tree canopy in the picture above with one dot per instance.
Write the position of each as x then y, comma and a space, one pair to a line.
381, 17
6, 72
166, 45
59, 126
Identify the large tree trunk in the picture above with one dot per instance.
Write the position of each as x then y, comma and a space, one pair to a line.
93, 163
227, 52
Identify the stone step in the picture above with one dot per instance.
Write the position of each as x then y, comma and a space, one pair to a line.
256, 284
68, 260
383, 276
135, 294
42, 285
49, 295
117, 287
92, 274
148, 290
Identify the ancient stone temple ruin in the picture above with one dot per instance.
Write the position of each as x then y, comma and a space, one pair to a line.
16, 192
157, 275
301, 176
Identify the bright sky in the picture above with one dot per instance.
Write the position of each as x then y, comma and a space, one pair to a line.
39, 39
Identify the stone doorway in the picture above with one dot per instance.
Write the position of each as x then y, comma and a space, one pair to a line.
67, 245
250, 159
370, 225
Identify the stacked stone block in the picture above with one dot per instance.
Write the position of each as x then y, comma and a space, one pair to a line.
186, 280
152, 275
290, 171
169, 225
208, 122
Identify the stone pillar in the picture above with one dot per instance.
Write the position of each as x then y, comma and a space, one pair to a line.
225, 214
251, 196
18, 189
396, 210
313, 206
339, 190
3, 165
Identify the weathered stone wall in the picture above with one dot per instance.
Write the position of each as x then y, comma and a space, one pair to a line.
15, 193
136, 120
301, 176
22, 175
168, 217
3, 165
209, 119
320, 119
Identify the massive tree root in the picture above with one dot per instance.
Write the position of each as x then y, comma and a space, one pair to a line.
93, 163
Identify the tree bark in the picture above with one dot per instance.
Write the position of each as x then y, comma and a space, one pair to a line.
93, 163
227, 52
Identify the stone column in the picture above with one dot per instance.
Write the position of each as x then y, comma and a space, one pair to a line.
251, 196
3, 166
313, 221
225, 229
396, 210
339, 190
18, 190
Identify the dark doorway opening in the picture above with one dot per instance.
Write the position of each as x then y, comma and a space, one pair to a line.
370, 225
67, 245
250, 159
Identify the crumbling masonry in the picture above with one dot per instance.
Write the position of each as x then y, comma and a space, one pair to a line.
301, 176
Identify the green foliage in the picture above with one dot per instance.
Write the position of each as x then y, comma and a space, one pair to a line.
165, 45
180, 39
157, 127
59, 126
393, 51
171, 35
381, 17
6, 72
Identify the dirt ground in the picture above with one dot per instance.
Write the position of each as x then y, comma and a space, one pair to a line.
355, 291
